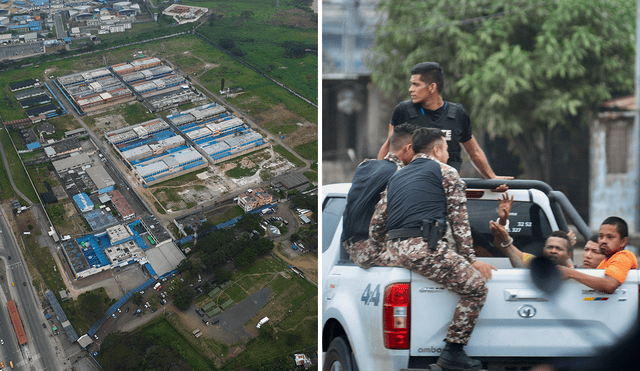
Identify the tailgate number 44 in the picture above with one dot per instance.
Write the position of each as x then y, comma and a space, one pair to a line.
371, 296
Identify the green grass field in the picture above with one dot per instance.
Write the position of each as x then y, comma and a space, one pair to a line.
288, 155
18, 173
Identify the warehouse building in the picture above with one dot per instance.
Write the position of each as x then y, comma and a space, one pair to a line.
122, 206
83, 202
71, 162
63, 147
101, 179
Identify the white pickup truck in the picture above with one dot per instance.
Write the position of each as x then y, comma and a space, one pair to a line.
519, 326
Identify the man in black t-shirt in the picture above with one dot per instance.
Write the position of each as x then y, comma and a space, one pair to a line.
427, 108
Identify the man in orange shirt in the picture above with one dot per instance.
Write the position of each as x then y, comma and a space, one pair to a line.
612, 239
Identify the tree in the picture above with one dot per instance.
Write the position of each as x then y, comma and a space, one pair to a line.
184, 298
136, 298
223, 275
246, 14
523, 70
191, 268
267, 332
227, 44
250, 222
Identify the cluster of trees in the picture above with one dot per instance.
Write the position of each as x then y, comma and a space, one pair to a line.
303, 201
142, 351
221, 245
524, 70
231, 46
217, 248
295, 49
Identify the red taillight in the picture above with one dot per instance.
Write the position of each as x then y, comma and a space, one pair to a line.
396, 316
475, 194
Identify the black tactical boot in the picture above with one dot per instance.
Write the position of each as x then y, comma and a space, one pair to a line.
453, 357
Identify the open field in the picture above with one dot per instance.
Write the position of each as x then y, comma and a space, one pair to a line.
18, 173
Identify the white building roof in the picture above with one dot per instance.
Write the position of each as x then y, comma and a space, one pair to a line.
148, 169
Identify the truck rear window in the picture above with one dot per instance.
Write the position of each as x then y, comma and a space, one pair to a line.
528, 225
332, 211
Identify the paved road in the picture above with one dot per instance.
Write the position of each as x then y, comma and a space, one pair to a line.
42, 351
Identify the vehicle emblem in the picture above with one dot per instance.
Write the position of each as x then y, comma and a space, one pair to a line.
526, 311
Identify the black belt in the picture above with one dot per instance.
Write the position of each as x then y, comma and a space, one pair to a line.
404, 233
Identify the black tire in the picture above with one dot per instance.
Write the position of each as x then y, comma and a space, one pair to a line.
338, 357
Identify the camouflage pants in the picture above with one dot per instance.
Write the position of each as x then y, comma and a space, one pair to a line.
449, 269
364, 253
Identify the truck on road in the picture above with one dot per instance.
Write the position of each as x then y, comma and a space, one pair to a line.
17, 322
389, 318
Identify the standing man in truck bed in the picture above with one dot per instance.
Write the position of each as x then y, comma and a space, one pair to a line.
427, 108
424, 202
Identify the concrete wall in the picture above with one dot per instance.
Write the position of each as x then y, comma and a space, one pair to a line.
614, 193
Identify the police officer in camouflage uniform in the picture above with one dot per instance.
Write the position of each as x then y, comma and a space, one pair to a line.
425, 201
369, 181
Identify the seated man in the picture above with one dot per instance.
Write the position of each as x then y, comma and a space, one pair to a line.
592, 254
613, 238
369, 181
557, 248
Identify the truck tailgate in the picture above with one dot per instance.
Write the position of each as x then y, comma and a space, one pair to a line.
521, 321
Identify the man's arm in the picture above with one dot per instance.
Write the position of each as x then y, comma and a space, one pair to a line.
605, 284
385, 146
501, 236
479, 159
457, 214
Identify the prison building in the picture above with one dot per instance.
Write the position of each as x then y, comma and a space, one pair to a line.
137, 65
42, 110
35, 101
234, 146
84, 78
25, 84
28, 93
135, 132
197, 115
226, 127
158, 85
150, 74
199, 133
137, 153
121, 205
101, 178
171, 166
174, 98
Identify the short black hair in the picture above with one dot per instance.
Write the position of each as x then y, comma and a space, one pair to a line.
565, 237
430, 72
424, 139
620, 225
401, 135
594, 238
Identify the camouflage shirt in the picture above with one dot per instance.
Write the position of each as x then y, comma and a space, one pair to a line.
457, 215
